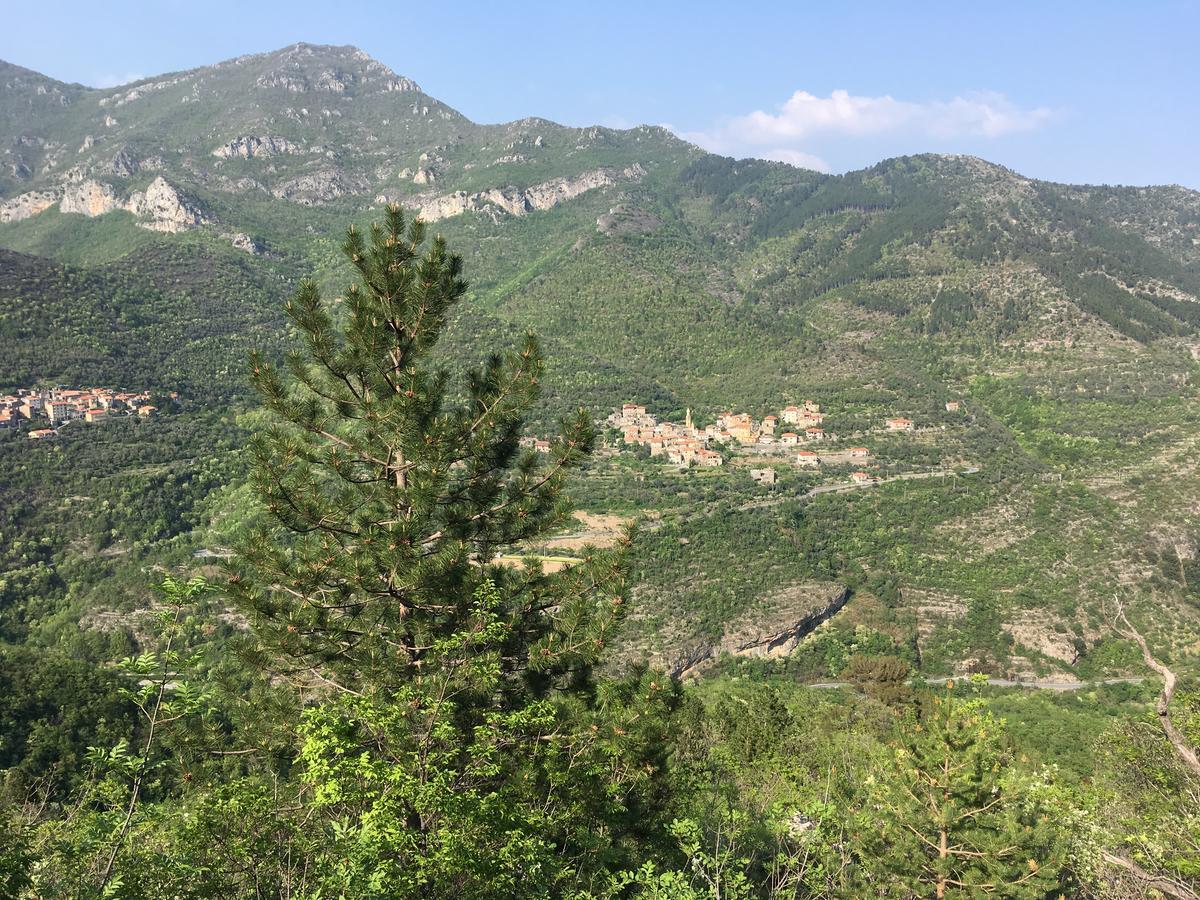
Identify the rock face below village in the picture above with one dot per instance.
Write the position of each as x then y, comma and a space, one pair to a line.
773, 627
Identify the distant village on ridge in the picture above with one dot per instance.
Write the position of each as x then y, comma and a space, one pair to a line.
796, 435
49, 409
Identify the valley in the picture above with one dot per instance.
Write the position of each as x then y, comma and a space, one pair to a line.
916, 433
652, 270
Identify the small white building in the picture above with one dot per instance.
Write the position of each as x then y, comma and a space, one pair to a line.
807, 459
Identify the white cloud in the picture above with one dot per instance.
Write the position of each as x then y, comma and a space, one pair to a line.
787, 134
111, 81
988, 114
797, 158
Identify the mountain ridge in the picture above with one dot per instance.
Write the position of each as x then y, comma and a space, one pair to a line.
312, 59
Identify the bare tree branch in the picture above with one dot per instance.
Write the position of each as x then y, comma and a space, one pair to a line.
1183, 749
1149, 881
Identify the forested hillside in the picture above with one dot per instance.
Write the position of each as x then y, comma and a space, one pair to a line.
1042, 341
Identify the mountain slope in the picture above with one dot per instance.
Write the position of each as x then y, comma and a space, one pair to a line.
165, 316
1065, 319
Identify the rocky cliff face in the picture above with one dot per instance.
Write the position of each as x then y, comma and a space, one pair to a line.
165, 208
160, 207
552, 193
518, 202
772, 628
315, 188
88, 198
253, 146
27, 205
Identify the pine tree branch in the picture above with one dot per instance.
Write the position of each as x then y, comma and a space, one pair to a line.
500, 507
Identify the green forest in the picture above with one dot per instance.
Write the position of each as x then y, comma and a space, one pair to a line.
351, 697
321, 624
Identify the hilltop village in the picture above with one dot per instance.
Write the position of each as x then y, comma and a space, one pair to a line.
686, 444
797, 434
52, 408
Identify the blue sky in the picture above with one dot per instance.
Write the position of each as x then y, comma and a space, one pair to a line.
1100, 92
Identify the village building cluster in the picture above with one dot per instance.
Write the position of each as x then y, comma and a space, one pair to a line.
682, 445
794, 426
685, 444
52, 408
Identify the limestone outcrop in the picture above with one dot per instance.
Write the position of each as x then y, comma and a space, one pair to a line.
519, 202
27, 205
773, 627
165, 208
161, 207
559, 190
88, 198
243, 241
123, 164
315, 188
253, 146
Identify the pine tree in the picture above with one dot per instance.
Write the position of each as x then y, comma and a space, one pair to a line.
460, 745
388, 501
948, 818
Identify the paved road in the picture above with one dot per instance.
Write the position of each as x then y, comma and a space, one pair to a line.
1006, 682
907, 476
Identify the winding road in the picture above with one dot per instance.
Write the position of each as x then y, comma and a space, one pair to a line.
1007, 682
